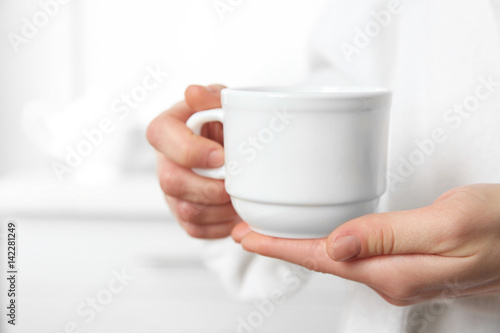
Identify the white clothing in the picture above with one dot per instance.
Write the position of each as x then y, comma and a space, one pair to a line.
441, 58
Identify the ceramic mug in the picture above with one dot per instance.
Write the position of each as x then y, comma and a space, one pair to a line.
300, 161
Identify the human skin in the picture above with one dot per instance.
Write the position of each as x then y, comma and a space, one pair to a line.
201, 205
448, 249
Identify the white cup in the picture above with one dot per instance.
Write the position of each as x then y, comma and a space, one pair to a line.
301, 161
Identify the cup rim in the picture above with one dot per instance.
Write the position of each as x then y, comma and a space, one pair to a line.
309, 91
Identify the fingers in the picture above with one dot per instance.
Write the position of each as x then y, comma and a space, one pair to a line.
436, 252
201, 214
240, 231
210, 231
200, 98
414, 231
304, 252
182, 183
201, 204
424, 230
452, 226
292, 250
204, 221
399, 279
169, 134
444, 228
309, 253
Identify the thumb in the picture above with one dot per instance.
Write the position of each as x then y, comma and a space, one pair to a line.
420, 230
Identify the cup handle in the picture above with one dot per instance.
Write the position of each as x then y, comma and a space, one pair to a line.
195, 123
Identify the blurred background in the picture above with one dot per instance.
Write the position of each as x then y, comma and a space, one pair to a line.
87, 202
70, 70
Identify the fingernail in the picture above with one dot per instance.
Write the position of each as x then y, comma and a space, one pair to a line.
239, 232
346, 247
215, 159
211, 89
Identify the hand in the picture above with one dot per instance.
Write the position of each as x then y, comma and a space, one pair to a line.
201, 204
449, 249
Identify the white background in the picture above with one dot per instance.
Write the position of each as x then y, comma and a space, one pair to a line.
96, 50
109, 213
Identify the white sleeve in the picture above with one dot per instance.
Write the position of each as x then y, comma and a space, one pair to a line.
249, 276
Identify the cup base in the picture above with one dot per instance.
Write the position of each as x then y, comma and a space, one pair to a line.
299, 221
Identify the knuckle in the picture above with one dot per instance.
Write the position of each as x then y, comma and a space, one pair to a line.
153, 132
463, 210
207, 232
214, 191
210, 192
387, 239
382, 235
189, 155
170, 183
457, 192
456, 233
188, 212
467, 200
191, 89
194, 231
318, 252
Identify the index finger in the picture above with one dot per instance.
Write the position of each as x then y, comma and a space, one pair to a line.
399, 276
169, 135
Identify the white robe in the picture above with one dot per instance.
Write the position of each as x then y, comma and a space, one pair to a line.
438, 57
